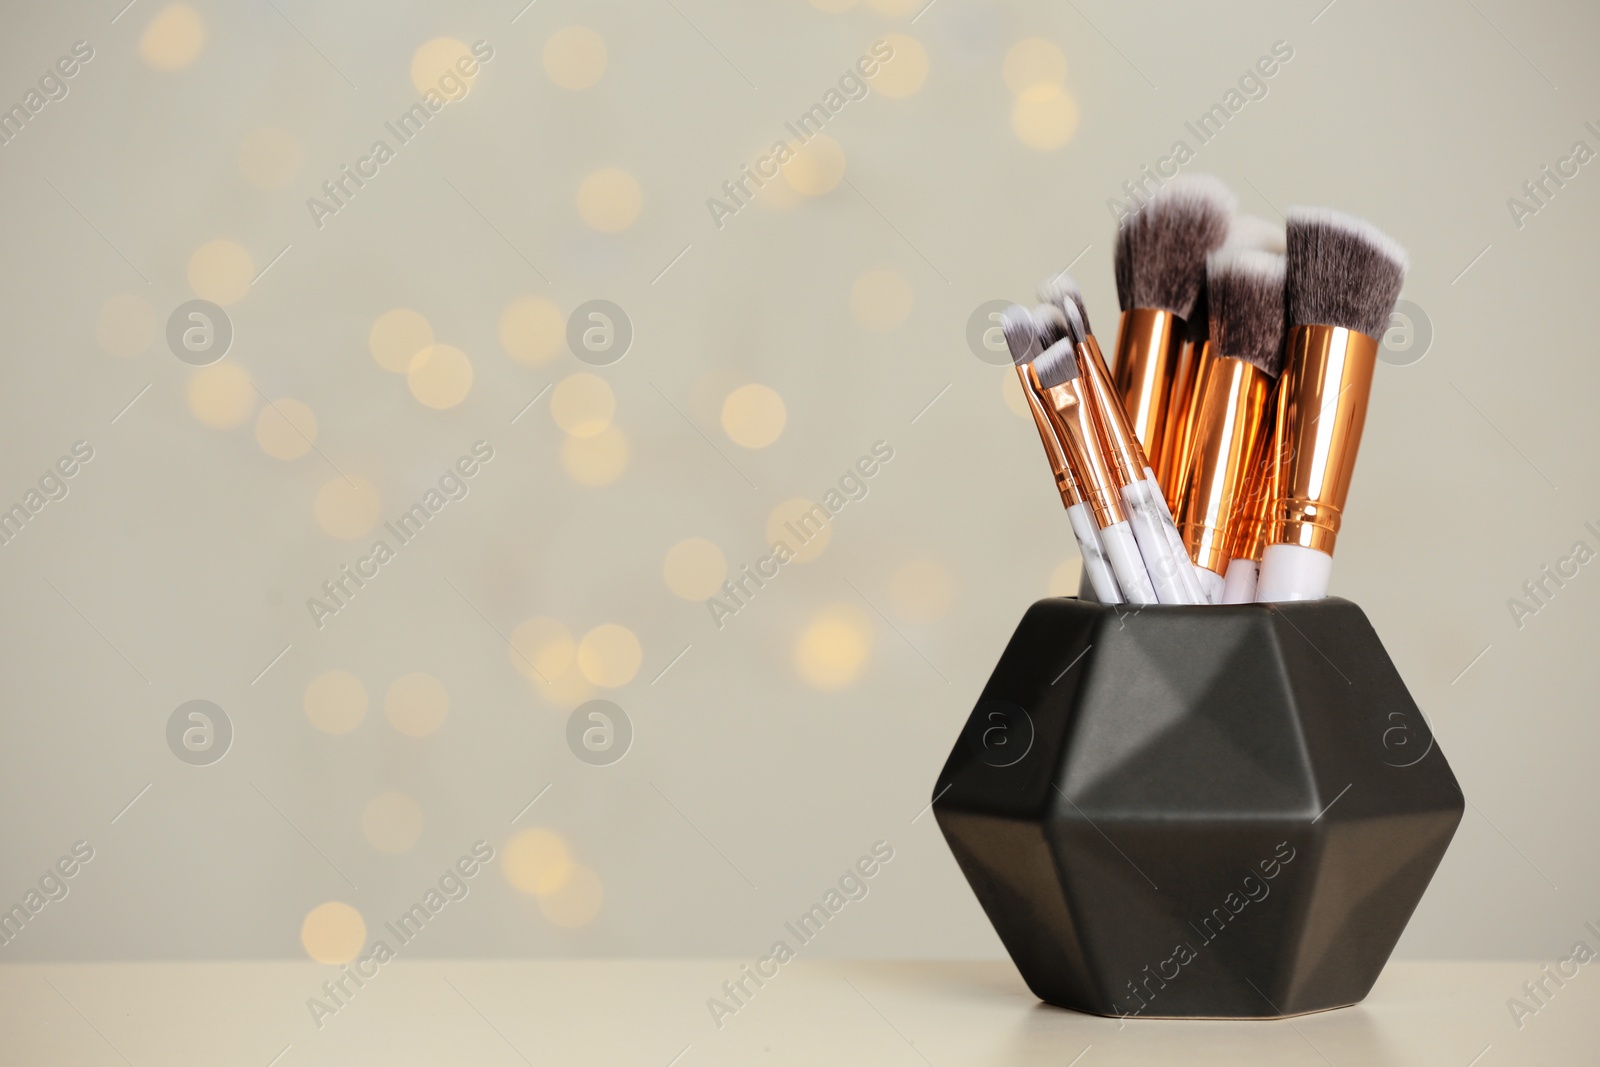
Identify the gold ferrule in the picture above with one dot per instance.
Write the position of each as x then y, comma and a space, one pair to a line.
1250, 512
1066, 484
1070, 412
1231, 400
1182, 406
1150, 346
1120, 443
1322, 406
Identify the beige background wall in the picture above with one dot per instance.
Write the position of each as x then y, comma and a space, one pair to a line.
772, 752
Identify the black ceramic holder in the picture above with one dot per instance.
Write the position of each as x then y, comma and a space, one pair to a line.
1197, 812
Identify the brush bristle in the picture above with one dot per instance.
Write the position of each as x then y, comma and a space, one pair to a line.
1160, 253
1245, 290
1049, 324
1342, 271
1253, 231
1057, 366
1062, 290
1017, 324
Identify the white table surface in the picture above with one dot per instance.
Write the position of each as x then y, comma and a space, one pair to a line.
653, 1013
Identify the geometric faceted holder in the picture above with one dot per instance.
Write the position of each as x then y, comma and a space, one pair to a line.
1197, 812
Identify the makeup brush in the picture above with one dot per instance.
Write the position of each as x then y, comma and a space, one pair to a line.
1342, 280
1167, 563
1070, 408
1239, 367
1244, 532
1023, 341
1159, 257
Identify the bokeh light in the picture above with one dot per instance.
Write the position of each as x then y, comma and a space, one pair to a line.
397, 336
817, 167
906, 70
270, 158
416, 704
543, 648
286, 428
438, 57
221, 396
537, 861
753, 416
880, 300
220, 271
347, 508
803, 526
440, 376
333, 933
174, 38
694, 568
576, 902
391, 822
532, 330
921, 591
1045, 118
127, 325
609, 655
598, 460
1033, 63
834, 647
609, 199
335, 702
575, 57
582, 404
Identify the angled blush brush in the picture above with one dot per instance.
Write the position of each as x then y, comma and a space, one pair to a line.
1342, 280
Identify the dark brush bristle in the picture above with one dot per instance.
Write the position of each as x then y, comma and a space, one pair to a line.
1049, 324
1342, 271
1062, 290
1057, 366
1016, 322
1245, 290
1160, 252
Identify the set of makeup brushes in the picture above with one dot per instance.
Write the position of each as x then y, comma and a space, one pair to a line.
1210, 463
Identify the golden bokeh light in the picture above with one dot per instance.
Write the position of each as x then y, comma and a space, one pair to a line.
582, 404
347, 508
565, 692
575, 57
286, 428
1033, 63
598, 460
392, 823
396, 337
270, 158
609, 655
1064, 579
906, 70
335, 702
1045, 118
333, 933
174, 38
921, 591
609, 199
834, 647
694, 568
537, 861
817, 167
416, 704
440, 376
880, 300
542, 648
220, 271
532, 330
576, 902
126, 327
802, 525
221, 396
441, 56
753, 416
1011, 392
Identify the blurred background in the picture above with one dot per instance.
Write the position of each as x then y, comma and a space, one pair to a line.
573, 383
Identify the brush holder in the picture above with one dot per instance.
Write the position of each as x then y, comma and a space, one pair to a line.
1197, 812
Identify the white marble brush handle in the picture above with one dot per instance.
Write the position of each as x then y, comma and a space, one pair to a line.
1096, 568
1160, 563
1126, 562
1239, 587
1192, 576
